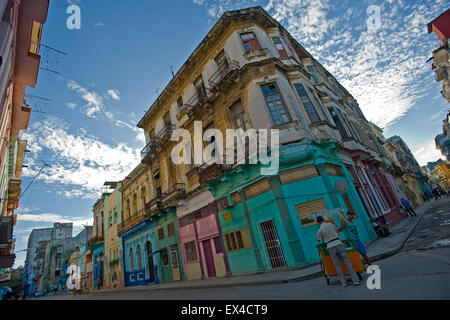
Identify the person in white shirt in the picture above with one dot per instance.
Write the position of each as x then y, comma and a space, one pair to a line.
329, 232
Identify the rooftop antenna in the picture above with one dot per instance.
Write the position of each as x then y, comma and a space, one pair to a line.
171, 70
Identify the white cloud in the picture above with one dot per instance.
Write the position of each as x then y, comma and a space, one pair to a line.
381, 69
81, 164
53, 217
426, 152
95, 107
114, 94
140, 133
71, 105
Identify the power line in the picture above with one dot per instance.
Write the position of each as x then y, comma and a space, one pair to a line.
35, 177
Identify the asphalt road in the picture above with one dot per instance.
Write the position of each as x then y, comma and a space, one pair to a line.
421, 270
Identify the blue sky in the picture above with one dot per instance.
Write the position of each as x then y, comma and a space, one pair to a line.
121, 57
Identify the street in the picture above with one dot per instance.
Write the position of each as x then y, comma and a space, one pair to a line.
421, 270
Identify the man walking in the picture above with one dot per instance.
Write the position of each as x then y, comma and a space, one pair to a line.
329, 232
352, 233
411, 211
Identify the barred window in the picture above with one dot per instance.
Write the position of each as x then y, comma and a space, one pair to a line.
237, 240
191, 251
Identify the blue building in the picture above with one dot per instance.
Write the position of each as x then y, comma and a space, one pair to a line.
140, 264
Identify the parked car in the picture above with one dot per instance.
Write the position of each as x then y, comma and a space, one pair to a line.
39, 293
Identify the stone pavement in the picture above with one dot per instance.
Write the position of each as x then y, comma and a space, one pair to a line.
377, 249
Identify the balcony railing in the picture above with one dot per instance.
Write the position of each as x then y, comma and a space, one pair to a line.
212, 171
224, 69
132, 220
162, 136
198, 100
153, 206
175, 192
95, 240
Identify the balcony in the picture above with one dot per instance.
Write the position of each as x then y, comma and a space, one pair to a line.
131, 221
225, 75
95, 240
149, 150
212, 171
156, 142
153, 206
196, 103
174, 193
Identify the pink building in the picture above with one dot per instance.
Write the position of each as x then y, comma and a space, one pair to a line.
202, 244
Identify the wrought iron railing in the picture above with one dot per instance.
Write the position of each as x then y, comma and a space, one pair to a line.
95, 240
134, 218
198, 99
223, 70
163, 135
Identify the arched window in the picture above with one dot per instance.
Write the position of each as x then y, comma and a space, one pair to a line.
139, 257
131, 260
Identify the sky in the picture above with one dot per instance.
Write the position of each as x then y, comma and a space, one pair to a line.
115, 65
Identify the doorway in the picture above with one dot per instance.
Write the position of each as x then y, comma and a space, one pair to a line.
209, 258
150, 261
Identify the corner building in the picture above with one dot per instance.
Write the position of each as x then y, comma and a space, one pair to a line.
249, 73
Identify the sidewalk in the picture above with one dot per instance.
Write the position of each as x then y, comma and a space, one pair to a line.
378, 249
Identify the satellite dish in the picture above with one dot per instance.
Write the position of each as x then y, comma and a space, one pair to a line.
340, 186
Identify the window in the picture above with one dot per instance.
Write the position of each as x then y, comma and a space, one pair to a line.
139, 257
250, 42
306, 208
164, 259
109, 219
180, 103
274, 101
239, 116
218, 244
237, 240
348, 203
279, 47
334, 170
222, 62
222, 203
200, 88
298, 174
236, 198
131, 260
171, 229
338, 123
191, 251
306, 101
36, 34
257, 188
313, 76
160, 233
115, 216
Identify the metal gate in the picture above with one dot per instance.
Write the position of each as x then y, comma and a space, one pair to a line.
273, 252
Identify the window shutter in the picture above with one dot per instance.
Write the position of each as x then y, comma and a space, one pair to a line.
238, 239
334, 170
298, 174
306, 208
257, 189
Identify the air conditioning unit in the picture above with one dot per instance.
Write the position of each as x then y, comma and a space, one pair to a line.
224, 203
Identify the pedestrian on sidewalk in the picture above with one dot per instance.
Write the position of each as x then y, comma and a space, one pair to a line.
352, 234
330, 233
411, 211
